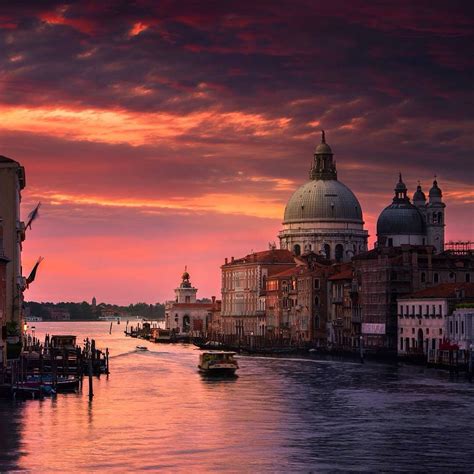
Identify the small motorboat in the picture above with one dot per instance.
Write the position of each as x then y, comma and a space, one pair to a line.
141, 348
217, 363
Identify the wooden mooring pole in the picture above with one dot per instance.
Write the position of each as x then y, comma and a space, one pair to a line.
91, 388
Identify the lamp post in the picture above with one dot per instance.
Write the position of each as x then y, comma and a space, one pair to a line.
361, 349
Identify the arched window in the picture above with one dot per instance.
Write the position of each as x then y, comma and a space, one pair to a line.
297, 250
440, 217
327, 251
435, 278
423, 277
339, 252
186, 323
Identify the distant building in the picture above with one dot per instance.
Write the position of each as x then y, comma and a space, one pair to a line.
94, 303
420, 223
323, 215
243, 290
59, 314
188, 316
12, 181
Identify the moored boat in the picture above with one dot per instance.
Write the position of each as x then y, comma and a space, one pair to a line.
141, 348
218, 363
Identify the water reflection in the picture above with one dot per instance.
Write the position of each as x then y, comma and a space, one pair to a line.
156, 411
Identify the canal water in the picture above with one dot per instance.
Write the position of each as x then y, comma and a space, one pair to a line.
156, 412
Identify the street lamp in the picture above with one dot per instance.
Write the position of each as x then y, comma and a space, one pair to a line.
361, 349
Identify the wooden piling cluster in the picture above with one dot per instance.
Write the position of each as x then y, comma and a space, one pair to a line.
55, 365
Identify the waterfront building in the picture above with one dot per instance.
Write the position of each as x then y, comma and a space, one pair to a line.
343, 324
186, 315
243, 290
280, 298
420, 223
12, 181
422, 316
323, 215
385, 274
3, 301
460, 327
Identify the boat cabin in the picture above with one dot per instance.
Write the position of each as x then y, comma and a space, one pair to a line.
66, 342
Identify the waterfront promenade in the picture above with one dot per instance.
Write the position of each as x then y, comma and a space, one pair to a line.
156, 412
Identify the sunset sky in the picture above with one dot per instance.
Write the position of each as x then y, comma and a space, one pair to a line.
159, 134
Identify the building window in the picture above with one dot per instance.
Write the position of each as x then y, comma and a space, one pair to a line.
390, 242
297, 250
440, 311
401, 330
462, 327
316, 284
457, 327
433, 344
468, 278
440, 331
327, 251
401, 343
423, 277
427, 330
401, 310
450, 327
435, 278
339, 252
419, 311
316, 301
413, 330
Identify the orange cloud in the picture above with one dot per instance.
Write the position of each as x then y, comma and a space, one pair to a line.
245, 205
135, 128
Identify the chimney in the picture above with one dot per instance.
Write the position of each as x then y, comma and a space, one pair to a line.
226, 261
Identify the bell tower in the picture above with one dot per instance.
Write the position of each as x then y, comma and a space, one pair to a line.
435, 222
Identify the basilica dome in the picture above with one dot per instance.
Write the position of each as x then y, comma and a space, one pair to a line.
323, 215
323, 200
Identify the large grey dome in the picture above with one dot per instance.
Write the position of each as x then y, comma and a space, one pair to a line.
323, 200
400, 218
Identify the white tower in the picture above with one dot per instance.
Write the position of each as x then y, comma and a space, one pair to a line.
185, 293
435, 222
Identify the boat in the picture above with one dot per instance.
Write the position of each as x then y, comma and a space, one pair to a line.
217, 363
141, 348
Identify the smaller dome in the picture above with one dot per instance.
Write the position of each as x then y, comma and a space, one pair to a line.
185, 276
419, 194
400, 218
435, 191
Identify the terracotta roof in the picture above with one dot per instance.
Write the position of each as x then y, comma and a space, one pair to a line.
343, 275
287, 273
444, 290
267, 256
